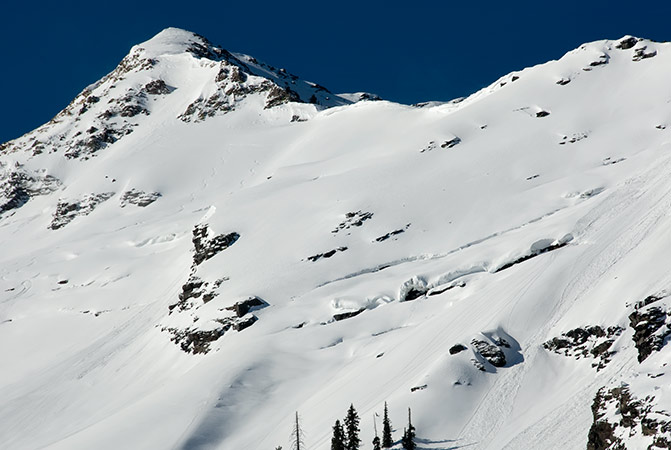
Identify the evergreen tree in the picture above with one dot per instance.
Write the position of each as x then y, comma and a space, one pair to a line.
297, 436
352, 429
338, 439
408, 440
387, 440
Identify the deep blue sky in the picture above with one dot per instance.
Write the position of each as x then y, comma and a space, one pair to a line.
407, 51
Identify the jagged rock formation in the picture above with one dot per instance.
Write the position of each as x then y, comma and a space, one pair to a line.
586, 342
68, 210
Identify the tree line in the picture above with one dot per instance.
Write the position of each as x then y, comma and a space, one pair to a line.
346, 433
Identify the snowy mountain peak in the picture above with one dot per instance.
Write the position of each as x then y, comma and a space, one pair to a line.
173, 41
176, 75
194, 243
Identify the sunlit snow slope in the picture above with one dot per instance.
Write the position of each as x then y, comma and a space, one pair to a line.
201, 245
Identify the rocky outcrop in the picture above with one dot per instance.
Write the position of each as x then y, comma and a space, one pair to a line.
67, 211
139, 198
391, 234
537, 248
642, 53
586, 342
206, 246
197, 341
318, 256
17, 187
491, 352
449, 143
353, 219
651, 325
619, 418
249, 304
457, 348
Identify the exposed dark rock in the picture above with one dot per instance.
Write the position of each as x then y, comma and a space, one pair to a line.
414, 294
451, 142
576, 137
195, 341
537, 250
347, 315
278, 96
418, 388
609, 161
384, 237
432, 145
414, 288
437, 290
206, 247
139, 198
619, 416
626, 43
640, 53
586, 342
328, 254
650, 329
250, 304
157, 87
563, 81
132, 111
353, 219
542, 114
17, 187
66, 211
490, 352
458, 348
242, 324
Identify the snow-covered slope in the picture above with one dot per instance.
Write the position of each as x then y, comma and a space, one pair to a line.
201, 245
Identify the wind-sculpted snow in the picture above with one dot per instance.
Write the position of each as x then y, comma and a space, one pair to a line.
204, 241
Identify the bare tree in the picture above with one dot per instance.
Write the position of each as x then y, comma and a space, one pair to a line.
297, 436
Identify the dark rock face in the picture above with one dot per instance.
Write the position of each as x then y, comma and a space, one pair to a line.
650, 330
445, 144
627, 43
206, 247
196, 341
629, 417
490, 352
67, 211
542, 114
353, 219
451, 142
139, 198
414, 288
17, 187
576, 137
586, 342
317, 257
537, 249
384, 237
157, 87
250, 304
414, 293
347, 315
641, 53
458, 348
279, 96
564, 81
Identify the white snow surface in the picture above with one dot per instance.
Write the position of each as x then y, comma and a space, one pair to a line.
87, 361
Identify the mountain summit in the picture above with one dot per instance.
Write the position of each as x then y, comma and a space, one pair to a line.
200, 245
